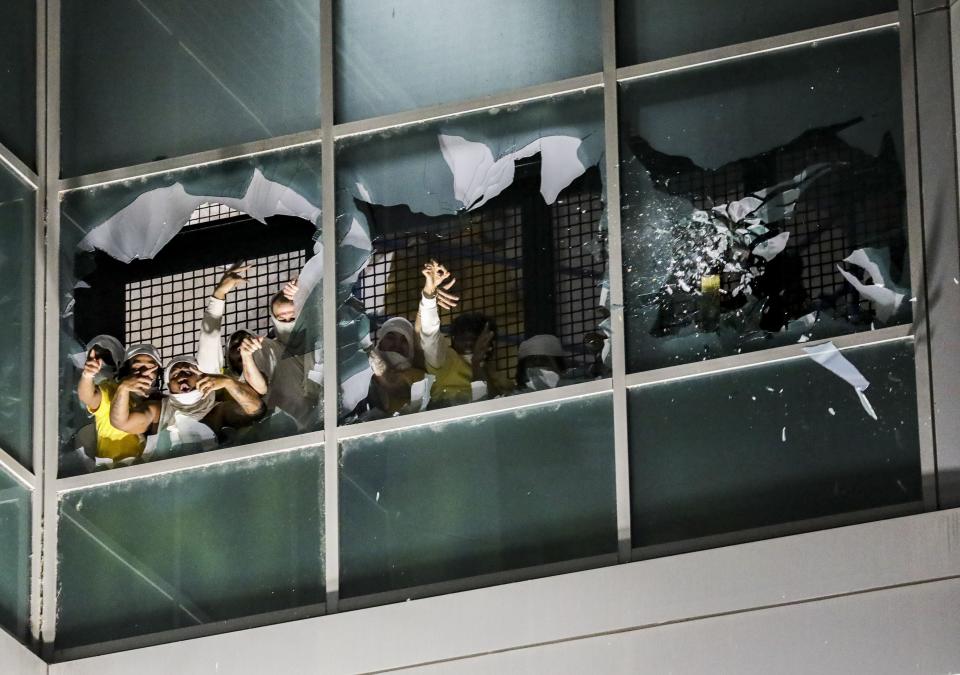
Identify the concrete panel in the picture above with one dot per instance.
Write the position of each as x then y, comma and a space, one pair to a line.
15, 659
620, 598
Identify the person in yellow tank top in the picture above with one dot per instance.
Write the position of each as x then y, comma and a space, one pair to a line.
97, 389
463, 367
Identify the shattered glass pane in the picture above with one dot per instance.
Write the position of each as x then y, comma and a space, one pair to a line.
191, 548
764, 202
18, 79
138, 265
648, 30
17, 214
509, 201
14, 556
414, 53
499, 492
152, 79
775, 444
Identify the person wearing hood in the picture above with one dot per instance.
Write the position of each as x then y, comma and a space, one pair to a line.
541, 363
191, 394
283, 311
105, 397
97, 390
463, 368
392, 363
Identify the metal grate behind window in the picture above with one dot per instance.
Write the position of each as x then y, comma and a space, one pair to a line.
166, 311
211, 211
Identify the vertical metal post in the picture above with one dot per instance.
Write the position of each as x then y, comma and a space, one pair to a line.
914, 215
937, 141
331, 511
39, 270
615, 258
50, 337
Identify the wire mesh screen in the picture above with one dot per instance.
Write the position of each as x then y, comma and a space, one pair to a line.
211, 211
166, 311
486, 252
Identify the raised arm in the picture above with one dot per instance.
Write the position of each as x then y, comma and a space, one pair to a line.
139, 421
209, 351
87, 391
242, 393
251, 372
437, 282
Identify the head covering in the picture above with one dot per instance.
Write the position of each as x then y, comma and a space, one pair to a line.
183, 358
111, 344
541, 345
400, 326
137, 350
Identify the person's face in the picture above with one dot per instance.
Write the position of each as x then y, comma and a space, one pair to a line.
233, 352
284, 311
463, 341
394, 342
104, 355
141, 363
183, 378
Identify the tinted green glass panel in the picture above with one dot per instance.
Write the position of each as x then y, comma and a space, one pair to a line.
18, 79
749, 187
500, 492
413, 53
17, 213
146, 79
191, 548
655, 29
772, 444
14, 556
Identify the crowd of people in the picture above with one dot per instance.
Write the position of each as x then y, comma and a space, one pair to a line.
204, 399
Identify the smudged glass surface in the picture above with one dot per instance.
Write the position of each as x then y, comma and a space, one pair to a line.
773, 444
191, 548
764, 202
17, 214
470, 497
140, 259
414, 53
14, 556
510, 201
144, 80
648, 30
18, 79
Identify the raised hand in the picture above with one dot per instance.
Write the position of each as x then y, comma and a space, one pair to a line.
482, 348
232, 278
92, 365
250, 345
140, 382
208, 383
290, 288
437, 283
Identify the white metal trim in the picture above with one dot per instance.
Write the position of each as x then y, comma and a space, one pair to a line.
189, 462
455, 109
754, 47
764, 357
23, 172
17, 470
193, 160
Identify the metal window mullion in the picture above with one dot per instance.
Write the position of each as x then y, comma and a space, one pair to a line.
331, 501
20, 170
761, 46
47, 368
914, 216
615, 265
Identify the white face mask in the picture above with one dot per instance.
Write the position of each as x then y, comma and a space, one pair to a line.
542, 378
284, 329
395, 361
189, 398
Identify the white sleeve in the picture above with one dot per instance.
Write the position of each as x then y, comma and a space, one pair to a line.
431, 342
209, 351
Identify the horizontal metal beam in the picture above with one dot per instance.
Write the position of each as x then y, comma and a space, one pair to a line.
444, 110
196, 159
764, 356
17, 470
189, 462
755, 47
467, 410
23, 172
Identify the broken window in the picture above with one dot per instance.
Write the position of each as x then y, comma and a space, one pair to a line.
764, 202
488, 494
18, 79
648, 30
14, 556
17, 241
776, 444
192, 76
394, 56
146, 261
191, 548
508, 202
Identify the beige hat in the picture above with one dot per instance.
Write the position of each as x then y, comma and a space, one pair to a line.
541, 345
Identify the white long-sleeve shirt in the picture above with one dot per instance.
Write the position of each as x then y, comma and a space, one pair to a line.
431, 341
210, 353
